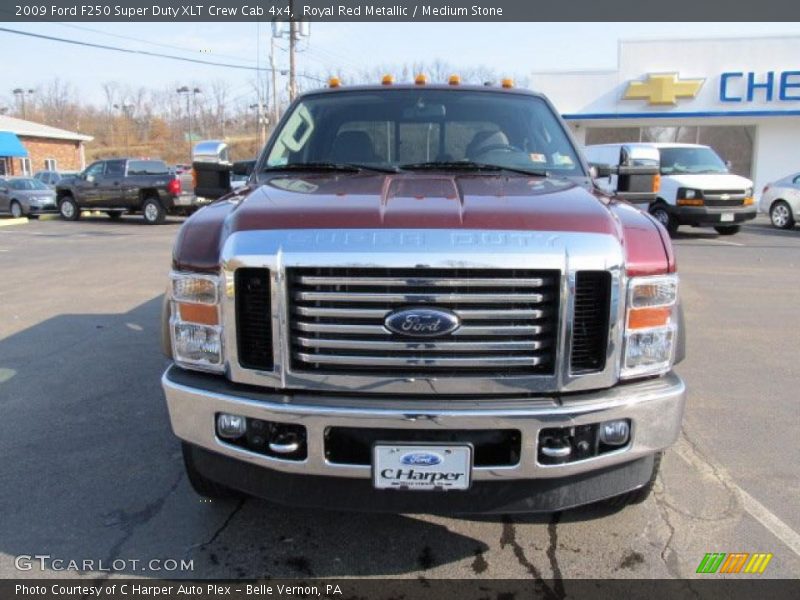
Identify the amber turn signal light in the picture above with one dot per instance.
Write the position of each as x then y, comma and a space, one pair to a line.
643, 318
205, 314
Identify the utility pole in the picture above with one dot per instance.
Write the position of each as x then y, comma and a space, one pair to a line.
292, 60
274, 78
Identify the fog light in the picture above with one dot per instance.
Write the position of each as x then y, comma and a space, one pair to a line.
231, 426
615, 433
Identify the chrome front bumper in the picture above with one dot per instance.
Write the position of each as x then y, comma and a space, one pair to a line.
654, 406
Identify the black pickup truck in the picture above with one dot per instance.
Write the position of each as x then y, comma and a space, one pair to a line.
118, 186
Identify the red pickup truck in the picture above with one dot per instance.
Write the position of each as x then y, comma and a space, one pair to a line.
420, 302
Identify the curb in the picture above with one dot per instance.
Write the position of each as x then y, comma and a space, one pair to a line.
49, 217
20, 221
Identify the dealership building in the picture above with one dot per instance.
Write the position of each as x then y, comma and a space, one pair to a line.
27, 147
740, 96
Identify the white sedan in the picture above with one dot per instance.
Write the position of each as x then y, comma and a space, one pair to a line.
781, 200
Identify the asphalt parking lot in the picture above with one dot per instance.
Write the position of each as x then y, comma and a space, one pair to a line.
90, 469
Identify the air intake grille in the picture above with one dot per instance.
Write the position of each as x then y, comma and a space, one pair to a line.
590, 325
509, 321
253, 319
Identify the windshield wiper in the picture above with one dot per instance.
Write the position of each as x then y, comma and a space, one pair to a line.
330, 166
468, 165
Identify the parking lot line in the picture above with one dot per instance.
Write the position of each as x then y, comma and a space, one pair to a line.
753, 507
20, 221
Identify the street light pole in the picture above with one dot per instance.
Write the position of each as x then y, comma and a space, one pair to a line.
126, 110
190, 93
21, 93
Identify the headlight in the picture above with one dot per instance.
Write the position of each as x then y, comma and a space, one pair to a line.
650, 326
689, 197
195, 325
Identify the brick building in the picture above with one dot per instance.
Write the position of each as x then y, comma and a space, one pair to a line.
27, 147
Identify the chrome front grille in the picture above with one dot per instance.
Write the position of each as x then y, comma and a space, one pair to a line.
724, 197
509, 320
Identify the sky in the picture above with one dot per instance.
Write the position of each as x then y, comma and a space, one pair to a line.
514, 49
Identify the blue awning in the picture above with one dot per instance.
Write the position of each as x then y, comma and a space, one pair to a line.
10, 145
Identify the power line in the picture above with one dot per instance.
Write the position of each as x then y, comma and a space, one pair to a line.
141, 41
132, 51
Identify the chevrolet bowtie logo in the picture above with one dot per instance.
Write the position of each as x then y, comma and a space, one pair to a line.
664, 88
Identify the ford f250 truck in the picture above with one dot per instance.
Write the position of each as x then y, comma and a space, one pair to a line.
120, 185
420, 303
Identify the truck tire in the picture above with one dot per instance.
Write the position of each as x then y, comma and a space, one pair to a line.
730, 230
154, 213
69, 209
662, 215
640, 495
201, 484
780, 214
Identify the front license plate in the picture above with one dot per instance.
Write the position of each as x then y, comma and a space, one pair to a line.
421, 467
726, 217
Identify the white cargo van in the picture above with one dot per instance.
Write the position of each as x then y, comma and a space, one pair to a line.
696, 188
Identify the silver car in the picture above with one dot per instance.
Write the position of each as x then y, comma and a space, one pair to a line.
23, 196
781, 200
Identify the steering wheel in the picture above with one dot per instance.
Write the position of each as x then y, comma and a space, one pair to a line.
499, 148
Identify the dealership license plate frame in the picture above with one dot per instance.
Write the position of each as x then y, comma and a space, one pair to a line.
727, 217
452, 453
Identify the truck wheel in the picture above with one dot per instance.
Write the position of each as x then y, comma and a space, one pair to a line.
663, 216
69, 209
730, 230
16, 209
640, 495
202, 484
781, 215
154, 213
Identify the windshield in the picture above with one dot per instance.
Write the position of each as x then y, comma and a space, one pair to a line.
27, 184
690, 159
408, 128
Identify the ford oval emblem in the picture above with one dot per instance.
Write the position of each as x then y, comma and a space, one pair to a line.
422, 322
421, 459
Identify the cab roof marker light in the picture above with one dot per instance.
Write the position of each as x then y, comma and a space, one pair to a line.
421, 79
508, 83
334, 82
387, 79
454, 80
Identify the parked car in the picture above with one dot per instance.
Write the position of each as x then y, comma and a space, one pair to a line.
421, 303
696, 187
121, 185
51, 178
26, 196
781, 201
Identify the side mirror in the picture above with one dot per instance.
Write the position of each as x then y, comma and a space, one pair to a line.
212, 180
243, 168
601, 170
638, 183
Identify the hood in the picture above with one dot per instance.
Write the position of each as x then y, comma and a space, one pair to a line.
711, 181
422, 201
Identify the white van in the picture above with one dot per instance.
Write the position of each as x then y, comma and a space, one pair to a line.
696, 188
